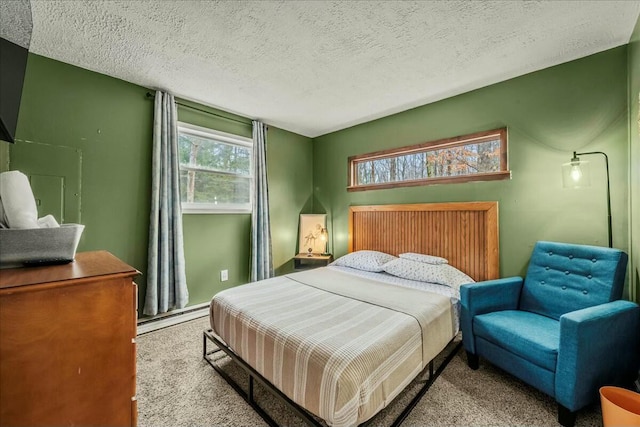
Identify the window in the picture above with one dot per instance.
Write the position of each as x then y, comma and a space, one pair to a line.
481, 156
215, 171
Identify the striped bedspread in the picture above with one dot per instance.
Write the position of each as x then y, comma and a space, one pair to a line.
339, 345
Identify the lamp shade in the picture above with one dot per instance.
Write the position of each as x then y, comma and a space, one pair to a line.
576, 174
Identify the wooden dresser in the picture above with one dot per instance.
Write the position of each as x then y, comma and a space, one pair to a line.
67, 343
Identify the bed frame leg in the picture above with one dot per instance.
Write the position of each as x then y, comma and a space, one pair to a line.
204, 346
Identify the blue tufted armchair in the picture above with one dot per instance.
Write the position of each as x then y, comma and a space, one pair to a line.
562, 329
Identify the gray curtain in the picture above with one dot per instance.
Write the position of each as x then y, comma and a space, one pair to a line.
166, 280
261, 259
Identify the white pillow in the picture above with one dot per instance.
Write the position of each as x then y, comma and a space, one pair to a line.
442, 274
19, 205
365, 260
427, 259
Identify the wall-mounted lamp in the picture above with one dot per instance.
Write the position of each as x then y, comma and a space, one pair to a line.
576, 174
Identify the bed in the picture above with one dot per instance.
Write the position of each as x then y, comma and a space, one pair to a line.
339, 343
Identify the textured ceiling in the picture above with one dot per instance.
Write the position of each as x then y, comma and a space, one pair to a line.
15, 22
313, 67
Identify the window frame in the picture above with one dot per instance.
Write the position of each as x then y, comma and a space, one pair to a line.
228, 138
503, 173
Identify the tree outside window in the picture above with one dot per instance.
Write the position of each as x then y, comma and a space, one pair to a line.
477, 157
215, 171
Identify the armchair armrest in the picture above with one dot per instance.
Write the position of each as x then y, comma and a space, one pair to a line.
599, 345
491, 295
486, 297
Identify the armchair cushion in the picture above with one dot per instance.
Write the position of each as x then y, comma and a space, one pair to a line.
528, 335
485, 297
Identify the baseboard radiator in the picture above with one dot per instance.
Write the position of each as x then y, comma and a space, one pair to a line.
173, 317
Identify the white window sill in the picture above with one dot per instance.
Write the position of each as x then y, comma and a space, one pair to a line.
189, 210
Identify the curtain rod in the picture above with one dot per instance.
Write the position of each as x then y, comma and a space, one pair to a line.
149, 95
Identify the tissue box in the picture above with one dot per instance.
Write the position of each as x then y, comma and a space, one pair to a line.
38, 246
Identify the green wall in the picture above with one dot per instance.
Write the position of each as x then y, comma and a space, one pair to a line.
290, 171
107, 123
634, 158
103, 126
580, 105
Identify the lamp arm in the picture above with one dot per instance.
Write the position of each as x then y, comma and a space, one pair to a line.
606, 163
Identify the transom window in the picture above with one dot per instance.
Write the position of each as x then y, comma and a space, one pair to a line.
480, 156
215, 171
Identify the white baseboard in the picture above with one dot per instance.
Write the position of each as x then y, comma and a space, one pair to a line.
173, 317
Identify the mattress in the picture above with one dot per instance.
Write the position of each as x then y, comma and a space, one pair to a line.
340, 345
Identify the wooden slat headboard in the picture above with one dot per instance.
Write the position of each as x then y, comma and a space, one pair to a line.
465, 233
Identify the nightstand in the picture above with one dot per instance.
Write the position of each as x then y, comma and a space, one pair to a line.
305, 262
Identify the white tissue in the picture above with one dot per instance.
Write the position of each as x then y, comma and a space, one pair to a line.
48, 221
17, 199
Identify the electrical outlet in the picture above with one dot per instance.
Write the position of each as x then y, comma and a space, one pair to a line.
224, 275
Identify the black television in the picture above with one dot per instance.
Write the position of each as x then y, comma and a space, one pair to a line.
13, 63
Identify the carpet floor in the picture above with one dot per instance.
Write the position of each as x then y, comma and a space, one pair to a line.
176, 387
